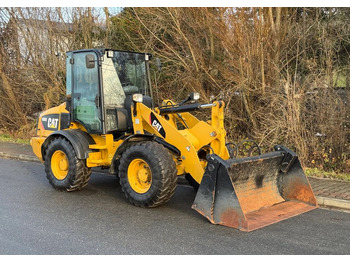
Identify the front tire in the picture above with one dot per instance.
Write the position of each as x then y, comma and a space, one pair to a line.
63, 170
148, 174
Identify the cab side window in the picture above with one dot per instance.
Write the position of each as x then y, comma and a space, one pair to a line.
86, 94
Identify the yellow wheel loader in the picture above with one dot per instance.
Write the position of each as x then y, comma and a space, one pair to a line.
109, 120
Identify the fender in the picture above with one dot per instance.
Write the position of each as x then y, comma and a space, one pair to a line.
78, 139
136, 138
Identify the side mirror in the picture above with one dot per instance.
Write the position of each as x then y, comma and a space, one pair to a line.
90, 61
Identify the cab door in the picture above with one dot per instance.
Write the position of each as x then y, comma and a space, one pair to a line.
86, 93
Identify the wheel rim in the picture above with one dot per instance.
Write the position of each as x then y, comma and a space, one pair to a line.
59, 165
139, 176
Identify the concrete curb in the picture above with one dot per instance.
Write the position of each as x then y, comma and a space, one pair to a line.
333, 202
322, 201
19, 157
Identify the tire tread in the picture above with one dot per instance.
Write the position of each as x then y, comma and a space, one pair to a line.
168, 171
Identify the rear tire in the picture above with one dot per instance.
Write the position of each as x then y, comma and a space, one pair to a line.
63, 170
148, 174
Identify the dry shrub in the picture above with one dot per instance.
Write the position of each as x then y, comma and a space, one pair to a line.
32, 58
265, 63
273, 67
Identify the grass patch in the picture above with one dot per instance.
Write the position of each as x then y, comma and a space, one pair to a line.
9, 138
323, 174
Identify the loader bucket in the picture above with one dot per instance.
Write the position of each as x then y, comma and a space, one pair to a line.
253, 192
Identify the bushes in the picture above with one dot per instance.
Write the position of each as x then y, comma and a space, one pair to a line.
275, 68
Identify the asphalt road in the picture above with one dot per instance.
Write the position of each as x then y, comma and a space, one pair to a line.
36, 219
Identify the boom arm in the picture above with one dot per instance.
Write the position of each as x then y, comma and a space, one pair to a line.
188, 141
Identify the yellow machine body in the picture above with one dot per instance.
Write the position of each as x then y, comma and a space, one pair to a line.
188, 141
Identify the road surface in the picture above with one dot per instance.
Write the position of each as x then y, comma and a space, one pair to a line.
36, 219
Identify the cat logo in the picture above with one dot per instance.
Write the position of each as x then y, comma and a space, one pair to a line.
157, 125
52, 122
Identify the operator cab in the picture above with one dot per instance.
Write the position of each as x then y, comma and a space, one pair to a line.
100, 85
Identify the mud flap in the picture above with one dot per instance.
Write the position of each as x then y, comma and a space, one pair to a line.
253, 192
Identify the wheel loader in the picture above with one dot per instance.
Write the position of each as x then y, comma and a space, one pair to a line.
109, 120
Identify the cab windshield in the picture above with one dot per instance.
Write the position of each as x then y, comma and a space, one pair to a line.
123, 74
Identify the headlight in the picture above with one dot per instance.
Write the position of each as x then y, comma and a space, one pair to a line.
137, 98
110, 54
194, 96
